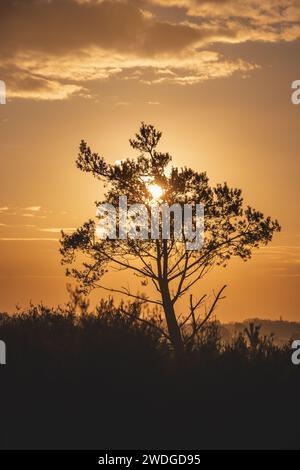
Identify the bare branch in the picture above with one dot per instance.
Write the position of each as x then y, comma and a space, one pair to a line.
208, 315
126, 292
149, 323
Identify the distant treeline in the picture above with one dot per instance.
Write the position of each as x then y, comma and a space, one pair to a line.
282, 330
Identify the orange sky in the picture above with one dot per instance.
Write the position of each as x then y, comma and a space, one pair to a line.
214, 76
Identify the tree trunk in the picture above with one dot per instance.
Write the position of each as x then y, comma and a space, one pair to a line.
173, 328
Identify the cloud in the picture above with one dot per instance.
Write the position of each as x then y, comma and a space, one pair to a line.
252, 20
281, 260
60, 27
23, 239
279, 15
122, 103
33, 208
30, 212
52, 50
33, 215
58, 229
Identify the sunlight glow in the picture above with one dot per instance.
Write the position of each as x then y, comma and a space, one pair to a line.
155, 190
119, 163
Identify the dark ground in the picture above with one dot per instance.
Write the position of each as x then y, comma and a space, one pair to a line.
109, 382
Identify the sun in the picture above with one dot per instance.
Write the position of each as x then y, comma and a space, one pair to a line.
155, 190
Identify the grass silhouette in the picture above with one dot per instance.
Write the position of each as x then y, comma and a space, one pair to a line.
105, 380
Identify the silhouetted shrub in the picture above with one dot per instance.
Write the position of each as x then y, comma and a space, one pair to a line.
108, 379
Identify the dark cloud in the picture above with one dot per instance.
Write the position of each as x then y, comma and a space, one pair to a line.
51, 48
61, 26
